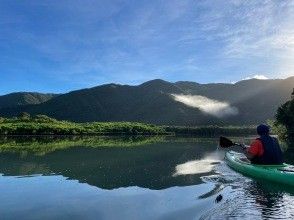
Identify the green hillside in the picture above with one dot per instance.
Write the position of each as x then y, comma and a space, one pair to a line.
24, 98
255, 101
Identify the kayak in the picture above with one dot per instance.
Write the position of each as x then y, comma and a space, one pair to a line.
282, 174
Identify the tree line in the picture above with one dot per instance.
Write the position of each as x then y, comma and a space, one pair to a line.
25, 124
284, 123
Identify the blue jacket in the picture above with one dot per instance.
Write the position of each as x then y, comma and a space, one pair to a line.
272, 152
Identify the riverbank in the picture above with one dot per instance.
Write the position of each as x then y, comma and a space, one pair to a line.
43, 125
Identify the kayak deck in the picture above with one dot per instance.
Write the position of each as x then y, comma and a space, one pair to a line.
283, 173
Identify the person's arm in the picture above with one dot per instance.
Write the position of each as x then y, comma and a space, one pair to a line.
254, 150
247, 153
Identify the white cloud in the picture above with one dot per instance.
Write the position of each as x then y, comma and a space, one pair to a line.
146, 37
262, 77
213, 107
259, 28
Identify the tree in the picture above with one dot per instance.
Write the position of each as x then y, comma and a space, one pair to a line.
285, 116
44, 118
24, 116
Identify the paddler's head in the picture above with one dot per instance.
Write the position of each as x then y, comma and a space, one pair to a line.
263, 129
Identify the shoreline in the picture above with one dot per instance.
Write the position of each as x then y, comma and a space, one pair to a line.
42, 125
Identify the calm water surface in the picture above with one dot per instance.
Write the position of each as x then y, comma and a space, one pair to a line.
130, 178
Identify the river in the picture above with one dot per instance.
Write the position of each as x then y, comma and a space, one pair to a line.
131, 178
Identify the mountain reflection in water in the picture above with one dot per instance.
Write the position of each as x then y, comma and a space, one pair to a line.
130, 178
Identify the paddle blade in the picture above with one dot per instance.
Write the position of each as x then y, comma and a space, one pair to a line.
225, 142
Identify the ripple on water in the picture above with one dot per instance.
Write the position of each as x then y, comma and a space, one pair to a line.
245, 198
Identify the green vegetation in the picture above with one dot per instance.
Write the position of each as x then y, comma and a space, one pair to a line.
24, 98
285, 121
151, 102
278, 129
44, 125
41, 145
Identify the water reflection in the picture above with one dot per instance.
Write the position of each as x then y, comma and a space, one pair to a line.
54, 197
245, 198
205, 165
130, 178
268, 201
149, 165
195, 167
41, 145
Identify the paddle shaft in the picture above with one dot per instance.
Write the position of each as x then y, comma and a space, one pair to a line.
225, 143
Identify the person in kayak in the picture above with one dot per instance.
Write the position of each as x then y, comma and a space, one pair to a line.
265, 149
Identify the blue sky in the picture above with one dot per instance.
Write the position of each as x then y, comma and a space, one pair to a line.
57, 46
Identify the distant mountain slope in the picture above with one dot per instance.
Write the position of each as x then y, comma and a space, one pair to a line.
256, 100
152, 102
24, 98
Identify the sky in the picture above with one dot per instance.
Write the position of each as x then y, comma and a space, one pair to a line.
58, 46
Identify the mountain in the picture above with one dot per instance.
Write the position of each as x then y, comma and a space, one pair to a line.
24, 98
245, 102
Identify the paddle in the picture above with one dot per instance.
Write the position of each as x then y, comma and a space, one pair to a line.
226, 143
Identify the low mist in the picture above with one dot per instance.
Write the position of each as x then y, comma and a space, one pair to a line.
210, 106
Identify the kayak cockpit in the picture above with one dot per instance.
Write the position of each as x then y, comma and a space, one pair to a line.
283, 173
241, 158
245, 160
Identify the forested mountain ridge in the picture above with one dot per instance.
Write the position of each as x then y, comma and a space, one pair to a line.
161, 102
24, 98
